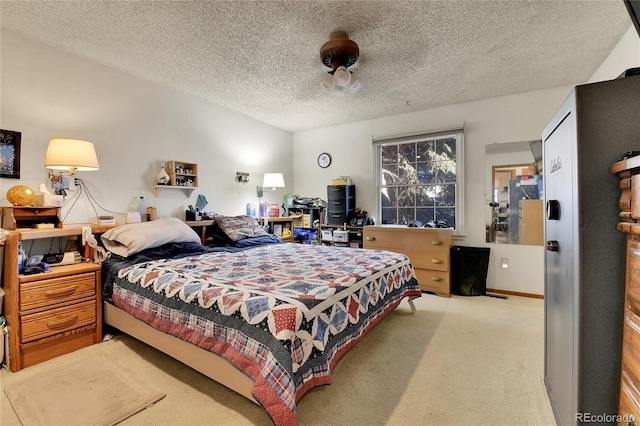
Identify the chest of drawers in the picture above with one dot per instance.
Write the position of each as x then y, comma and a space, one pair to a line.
427, 248
341, 203
630, 371
53, 313
629, 404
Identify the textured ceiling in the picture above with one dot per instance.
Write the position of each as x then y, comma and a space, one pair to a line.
261, 58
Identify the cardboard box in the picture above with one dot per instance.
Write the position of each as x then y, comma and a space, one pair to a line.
342, 181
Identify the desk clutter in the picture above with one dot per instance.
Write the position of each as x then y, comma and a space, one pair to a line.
263, 209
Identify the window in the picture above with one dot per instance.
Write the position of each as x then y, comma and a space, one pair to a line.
419, 179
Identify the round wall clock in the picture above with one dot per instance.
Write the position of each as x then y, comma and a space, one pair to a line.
324, 160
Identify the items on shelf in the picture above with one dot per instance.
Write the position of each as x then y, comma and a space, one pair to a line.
305, 236
281, 227
341, 235
182, 175
263, 209
162, 178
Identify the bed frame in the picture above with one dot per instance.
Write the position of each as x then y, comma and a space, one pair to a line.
207, 363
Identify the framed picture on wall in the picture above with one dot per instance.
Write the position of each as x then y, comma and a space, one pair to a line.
10, 154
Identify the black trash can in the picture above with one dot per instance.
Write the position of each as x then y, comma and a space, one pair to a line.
469, 266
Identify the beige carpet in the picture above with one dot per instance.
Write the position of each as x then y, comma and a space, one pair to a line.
94, 390
462, 360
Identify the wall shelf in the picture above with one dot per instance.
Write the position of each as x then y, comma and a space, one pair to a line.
181, 176
188, 189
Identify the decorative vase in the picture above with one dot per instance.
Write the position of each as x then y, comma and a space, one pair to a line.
162, 177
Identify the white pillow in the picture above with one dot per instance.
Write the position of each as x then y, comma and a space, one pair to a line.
125, 240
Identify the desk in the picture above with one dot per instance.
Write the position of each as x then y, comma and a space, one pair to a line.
202, 224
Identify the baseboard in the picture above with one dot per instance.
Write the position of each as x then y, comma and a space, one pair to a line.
515, 293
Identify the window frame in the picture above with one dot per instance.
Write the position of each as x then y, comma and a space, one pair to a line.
454, 132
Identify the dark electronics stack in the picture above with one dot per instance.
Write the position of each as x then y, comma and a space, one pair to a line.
341, 200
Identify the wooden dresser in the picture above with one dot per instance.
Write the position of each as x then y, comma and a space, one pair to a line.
427, 248
629, 173
53, 313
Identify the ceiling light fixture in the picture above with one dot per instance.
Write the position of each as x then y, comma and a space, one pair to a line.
339, 53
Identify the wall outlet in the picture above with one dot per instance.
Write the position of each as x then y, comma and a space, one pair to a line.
65, 182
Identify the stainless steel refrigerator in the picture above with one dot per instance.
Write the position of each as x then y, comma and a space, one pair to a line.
585, 255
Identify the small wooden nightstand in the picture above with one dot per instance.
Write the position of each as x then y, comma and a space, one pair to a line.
30, 217
52, 313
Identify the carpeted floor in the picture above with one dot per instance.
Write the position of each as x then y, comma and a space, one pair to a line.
463, 360
107, 391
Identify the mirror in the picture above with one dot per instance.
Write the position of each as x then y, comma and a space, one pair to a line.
514, 211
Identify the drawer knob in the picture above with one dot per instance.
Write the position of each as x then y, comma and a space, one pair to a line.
61, 292
436, 279
63, 322
436, 242
437, 261
371, 238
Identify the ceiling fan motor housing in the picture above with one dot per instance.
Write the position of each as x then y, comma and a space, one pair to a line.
339, 51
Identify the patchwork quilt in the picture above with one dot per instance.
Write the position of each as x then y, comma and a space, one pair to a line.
283, 314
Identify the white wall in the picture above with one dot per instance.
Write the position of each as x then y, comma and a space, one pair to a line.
135, 125
504, 119
625, 55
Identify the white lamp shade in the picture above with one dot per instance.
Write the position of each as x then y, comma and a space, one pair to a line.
273, 180
71, 154
342, 76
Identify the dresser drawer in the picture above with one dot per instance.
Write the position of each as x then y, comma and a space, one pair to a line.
629, 399
47, 323
340, 192
633, 270
402, 238
436, 281
38, 294
334, 218
433, 260
631, 342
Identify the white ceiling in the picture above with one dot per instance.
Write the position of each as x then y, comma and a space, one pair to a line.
261, 58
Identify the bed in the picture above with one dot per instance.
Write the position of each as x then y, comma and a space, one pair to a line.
267, 319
